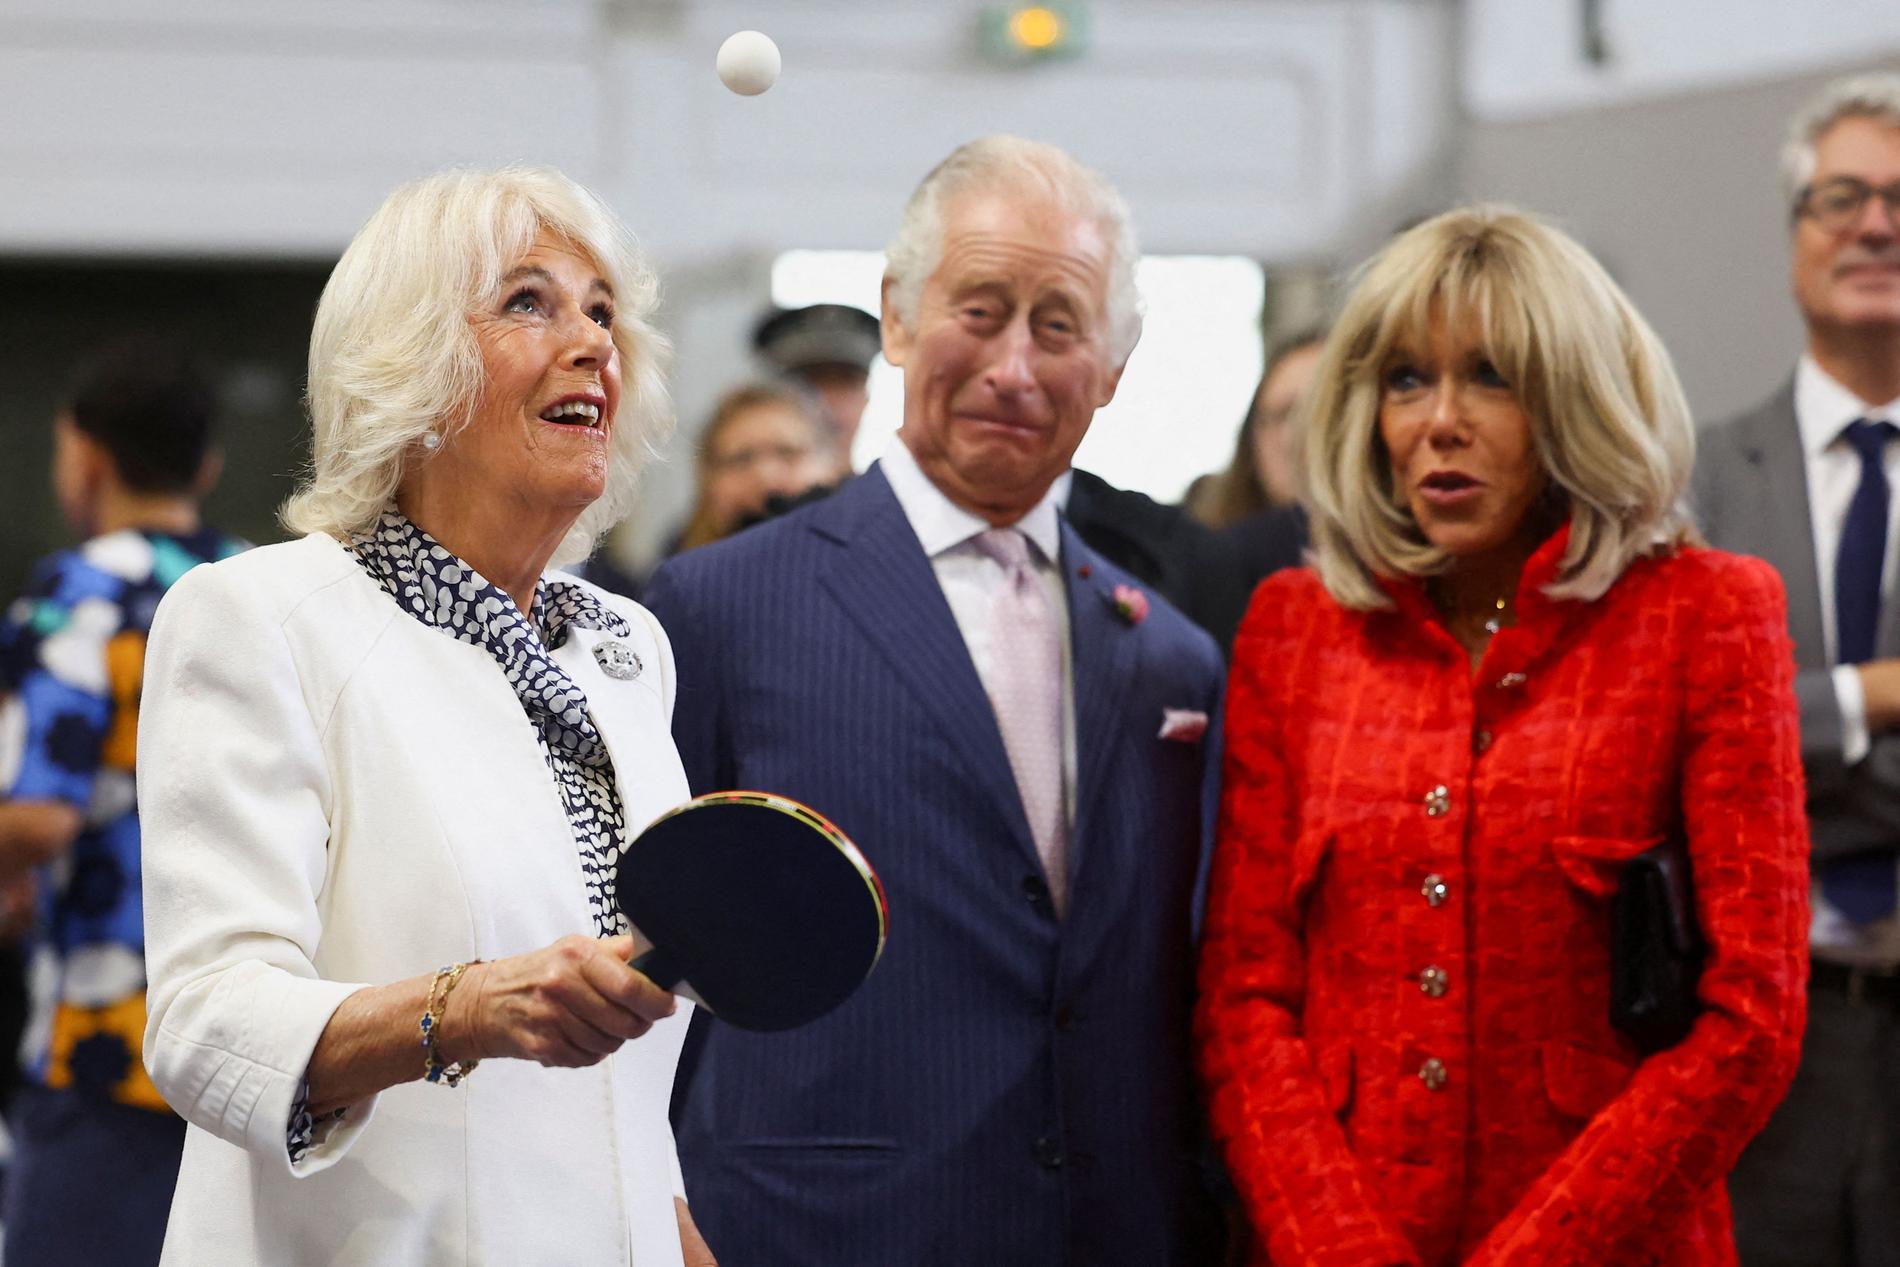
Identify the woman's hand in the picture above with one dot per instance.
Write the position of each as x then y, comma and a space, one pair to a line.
569, 1004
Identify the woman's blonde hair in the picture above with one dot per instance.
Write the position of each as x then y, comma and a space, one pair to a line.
1608, 418
393, 357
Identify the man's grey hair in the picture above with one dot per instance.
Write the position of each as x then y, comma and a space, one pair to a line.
1030, 168
1872, 96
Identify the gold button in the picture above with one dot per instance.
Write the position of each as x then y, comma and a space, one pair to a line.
1438, 802
1434, 981
1435, 889
1432, 1074
1511, 680
1481, 741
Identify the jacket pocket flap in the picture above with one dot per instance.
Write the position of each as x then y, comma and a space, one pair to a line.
1592, 863
1310, 852
1335, 1075
843, 1145
1579, 1081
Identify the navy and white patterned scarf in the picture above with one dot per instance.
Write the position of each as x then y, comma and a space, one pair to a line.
445, 593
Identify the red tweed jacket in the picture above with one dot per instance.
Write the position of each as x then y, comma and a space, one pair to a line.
1404, 1016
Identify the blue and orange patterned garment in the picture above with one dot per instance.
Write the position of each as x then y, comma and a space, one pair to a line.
72, 660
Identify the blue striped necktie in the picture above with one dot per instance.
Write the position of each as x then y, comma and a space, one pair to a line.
1863, 887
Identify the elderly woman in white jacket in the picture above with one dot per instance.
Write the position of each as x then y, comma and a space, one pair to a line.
386, 771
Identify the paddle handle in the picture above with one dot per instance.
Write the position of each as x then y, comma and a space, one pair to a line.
659, 968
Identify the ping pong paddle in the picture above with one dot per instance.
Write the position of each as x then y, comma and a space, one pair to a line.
755, 905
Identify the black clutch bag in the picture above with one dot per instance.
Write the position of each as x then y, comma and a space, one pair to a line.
1656, 948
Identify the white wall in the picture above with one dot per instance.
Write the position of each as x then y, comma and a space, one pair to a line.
1524, 58
268, 127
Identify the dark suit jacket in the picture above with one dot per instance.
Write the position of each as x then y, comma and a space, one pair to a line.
1262, 544
1006, 1088
1164, 547
1751, 496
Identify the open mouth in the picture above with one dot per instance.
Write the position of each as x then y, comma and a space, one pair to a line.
1448, 482
573, 413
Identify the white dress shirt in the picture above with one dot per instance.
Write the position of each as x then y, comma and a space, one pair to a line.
1823, 408
970, 578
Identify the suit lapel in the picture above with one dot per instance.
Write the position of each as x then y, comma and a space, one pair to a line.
1104, 650
884, 584
1771, 445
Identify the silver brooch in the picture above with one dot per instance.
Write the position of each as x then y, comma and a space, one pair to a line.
618, 660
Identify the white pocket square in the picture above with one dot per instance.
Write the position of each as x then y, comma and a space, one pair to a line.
1184, 725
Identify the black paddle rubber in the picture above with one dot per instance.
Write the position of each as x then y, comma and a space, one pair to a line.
764, 908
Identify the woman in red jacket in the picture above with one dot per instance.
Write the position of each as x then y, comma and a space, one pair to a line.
1510, 669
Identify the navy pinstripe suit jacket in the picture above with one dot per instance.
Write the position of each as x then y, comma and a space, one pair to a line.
1006, 1088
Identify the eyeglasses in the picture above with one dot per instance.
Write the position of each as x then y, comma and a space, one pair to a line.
1837, 204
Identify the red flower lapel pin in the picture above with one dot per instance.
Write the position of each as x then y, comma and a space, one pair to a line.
1130, 604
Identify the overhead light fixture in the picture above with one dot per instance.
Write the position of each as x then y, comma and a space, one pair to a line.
1016, 34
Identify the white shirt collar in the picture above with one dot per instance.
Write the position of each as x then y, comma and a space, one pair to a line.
941, 524
1823, 407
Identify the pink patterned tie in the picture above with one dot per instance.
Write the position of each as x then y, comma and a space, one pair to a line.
1024, 683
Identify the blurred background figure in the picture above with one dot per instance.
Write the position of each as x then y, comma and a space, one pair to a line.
1432, 786
765, 448
1804, 480
1254, 502
1261, 476
828, 348
97, 1148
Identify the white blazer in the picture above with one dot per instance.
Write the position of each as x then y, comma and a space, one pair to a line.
333, 794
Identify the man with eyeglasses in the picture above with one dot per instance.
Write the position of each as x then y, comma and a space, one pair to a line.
1805, 481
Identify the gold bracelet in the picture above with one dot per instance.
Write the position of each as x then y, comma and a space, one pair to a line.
433, 1070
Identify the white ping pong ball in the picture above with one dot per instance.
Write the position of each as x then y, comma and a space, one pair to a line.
748, 63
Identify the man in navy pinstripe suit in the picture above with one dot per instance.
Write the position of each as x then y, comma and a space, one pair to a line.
1013, 732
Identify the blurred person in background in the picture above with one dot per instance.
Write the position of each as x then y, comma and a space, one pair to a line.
1261, 476
827, 349
765, 447
1254, 502
1511, 670
1805, 482
97, 1147
391, 767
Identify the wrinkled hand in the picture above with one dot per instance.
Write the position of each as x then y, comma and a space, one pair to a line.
570, 1004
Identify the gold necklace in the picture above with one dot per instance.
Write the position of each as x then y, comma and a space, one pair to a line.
1491, 624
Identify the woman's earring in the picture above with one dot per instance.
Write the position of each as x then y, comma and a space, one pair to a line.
432, 441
